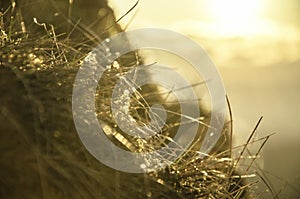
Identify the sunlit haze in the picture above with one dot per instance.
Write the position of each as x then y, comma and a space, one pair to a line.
256, 46
210, 22
209, 17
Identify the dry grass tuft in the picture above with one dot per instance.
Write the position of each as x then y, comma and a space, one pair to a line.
41, 154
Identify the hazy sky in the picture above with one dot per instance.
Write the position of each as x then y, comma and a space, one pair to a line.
270, 28
227, 18
166, 11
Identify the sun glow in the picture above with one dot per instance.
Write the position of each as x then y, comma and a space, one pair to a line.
236, 17
235, 10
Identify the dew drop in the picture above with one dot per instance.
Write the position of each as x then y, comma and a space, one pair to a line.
108, 67
143, 166
116, 65
160, 181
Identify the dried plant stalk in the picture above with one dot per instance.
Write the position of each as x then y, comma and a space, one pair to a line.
42, 156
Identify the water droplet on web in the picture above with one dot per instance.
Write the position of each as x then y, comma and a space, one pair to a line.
108, 67
143, 166
116, 65
91, 58
86, 121
31, 56
160, 181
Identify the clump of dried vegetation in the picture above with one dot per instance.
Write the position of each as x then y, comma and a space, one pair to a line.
41, 153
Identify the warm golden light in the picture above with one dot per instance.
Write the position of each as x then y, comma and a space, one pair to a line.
236, 17
235, 10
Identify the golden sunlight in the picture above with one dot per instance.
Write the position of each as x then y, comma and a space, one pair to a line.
236, 17
235, 10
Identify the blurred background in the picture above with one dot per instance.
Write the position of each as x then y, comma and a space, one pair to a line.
256, 47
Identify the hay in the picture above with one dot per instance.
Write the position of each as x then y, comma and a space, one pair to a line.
41, 153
